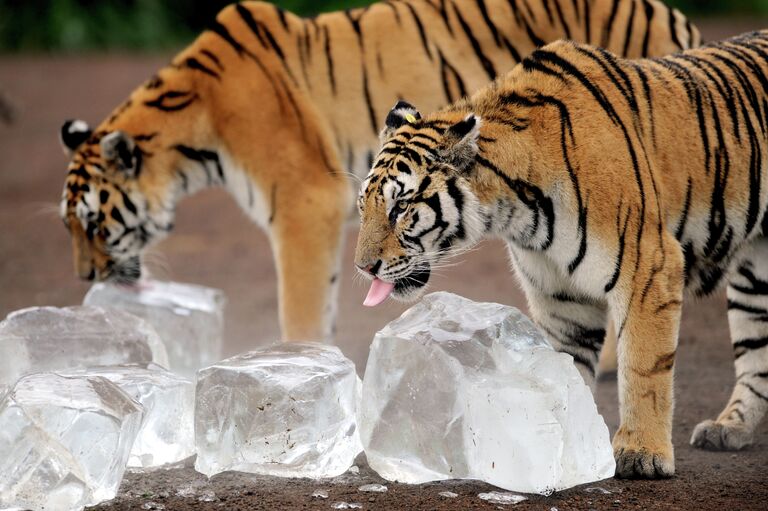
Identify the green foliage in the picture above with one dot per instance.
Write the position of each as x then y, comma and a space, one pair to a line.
73, 25
721, 7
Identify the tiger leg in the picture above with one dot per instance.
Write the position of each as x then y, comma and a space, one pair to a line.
573, 324
748, 321
646, 309
307, 236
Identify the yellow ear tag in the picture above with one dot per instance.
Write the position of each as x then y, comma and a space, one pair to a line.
410, 118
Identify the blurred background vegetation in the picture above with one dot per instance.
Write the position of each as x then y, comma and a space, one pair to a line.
75, 25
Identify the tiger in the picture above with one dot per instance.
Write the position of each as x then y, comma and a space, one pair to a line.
282, 111
617, 186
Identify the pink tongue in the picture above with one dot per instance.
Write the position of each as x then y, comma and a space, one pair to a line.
379, 292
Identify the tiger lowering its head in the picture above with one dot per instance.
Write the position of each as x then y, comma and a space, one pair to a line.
278, 109
617, 185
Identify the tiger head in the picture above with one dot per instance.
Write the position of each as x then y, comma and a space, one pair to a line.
416, 204
122, 182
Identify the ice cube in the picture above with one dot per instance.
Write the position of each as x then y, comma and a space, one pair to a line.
64, 441
166, 434
456, 389
49, 338
189, 318
498, 497
285, 410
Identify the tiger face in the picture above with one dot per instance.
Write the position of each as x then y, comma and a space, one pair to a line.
124, 178
108, 216
416, 205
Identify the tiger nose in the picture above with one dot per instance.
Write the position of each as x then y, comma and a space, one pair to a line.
88, 276
371, 269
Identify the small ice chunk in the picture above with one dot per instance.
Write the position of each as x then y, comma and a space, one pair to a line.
284, 410
189, 318
448, 494
207, 496
484, 397
498, 497
153, 505
597, 489
320, 494
166, 434
41, 339
377, 488
64, 441
346, 505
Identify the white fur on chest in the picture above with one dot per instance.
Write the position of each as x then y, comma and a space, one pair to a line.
246, 192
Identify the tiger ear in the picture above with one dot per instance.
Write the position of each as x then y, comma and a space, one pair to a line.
459, 145
73, 133
402, 113
119, 150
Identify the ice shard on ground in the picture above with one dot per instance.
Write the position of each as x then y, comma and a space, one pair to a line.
64, 441
189, 318
285, 410
458, 389
41, 339
167, 431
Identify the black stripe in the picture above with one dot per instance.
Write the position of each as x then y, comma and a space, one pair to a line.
628, 31
130, 206
608, 27
673, 29
187, 98
487, 64
202, 156
222, 32
533, 197
754, 391
484, 13
117, 216
422, 34
734, 305
649, 19
281, 16
622, 233
559, 12
686, 208
193, 63
445, 69
329, 58
745, 345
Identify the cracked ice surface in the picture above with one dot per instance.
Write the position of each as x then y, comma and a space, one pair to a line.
458, 389
189, 318
285, 410
65, 441
166, 434
50, 338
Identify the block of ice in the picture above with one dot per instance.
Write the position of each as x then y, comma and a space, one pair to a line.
189, 318
166, 434
285, 410
49, 338
457, 389
64, 441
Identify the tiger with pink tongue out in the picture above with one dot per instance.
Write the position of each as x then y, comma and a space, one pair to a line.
397, 249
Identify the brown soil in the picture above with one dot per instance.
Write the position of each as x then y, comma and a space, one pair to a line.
215, 245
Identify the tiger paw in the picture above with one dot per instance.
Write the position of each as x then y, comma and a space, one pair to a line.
717, 436
643, 464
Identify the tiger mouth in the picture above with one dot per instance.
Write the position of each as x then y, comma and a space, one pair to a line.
126, 273
408, 286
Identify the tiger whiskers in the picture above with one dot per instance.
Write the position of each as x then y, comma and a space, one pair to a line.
156, 263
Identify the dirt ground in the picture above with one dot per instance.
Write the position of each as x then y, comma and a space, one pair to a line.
214, 244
